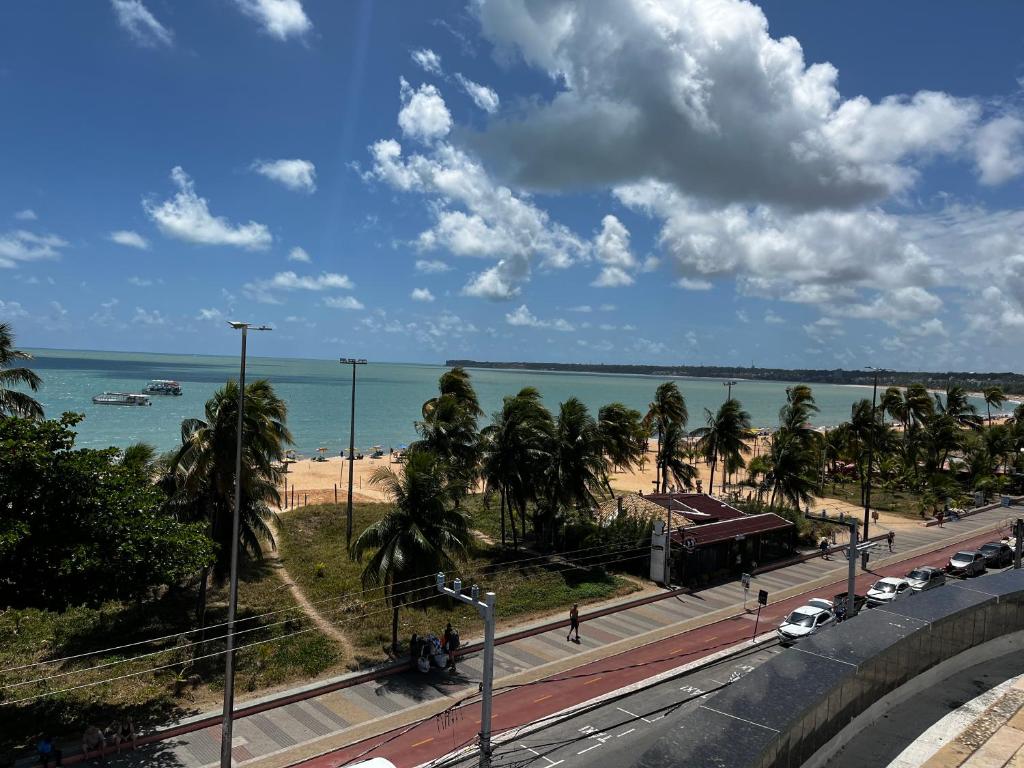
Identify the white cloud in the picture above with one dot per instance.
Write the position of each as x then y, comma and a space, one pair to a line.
424, 115
22, 245
897, 308
824, 328
11, 310
700, 96
140, 24
431, 267
129, 238
26, 215
523, 317
343, 302
581, 308
147, 317
297, 175
484, 97
104, 316
299, 254
264, 290
140, 282
187, 217
693, 284
999, 150
211, 315
648, 347
773, 319
421, 294
611, 247
427, 60
476, 217
279, 18
742, 316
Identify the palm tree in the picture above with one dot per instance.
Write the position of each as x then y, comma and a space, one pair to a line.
422, 534
668, 406
576, 468
792, 475
201, 476
457, 384
994, 398
918, 404
13, 403
893, 404
515, 454
623, 437
724, 437
673, 455
140, 458
449, 430
958, 407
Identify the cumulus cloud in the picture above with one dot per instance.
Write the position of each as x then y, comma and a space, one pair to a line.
148, 317
999, 150
211, 315
421, 294
475, 217
22, 245
12, 310
129, 238
699, 95
431, 266
297, 175
278, 18
141, 25
140, 282
26, 215
523, 317
611, 248
427, 60
484, 97
343, 302
693, 284
299, 254
424, 115
187, 217
772, 319
265, 290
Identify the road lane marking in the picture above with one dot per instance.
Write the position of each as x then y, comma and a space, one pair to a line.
425, 741
592, 681
543, 698
551, 763
588, 749
624, 733
633, 714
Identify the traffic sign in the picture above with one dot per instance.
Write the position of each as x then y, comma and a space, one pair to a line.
689, 544
745, 578
762, 597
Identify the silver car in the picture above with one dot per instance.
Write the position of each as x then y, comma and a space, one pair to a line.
926, 577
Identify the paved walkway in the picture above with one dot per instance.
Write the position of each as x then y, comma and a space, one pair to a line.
302, 729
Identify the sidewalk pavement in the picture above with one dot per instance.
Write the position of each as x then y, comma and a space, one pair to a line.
286, 734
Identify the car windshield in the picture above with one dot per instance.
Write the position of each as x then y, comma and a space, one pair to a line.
918, 575
963, 557
800, 619
884, 586
990, 548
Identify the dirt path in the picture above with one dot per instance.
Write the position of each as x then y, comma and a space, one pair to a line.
325, 626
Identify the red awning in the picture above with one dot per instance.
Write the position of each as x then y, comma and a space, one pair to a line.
748, 525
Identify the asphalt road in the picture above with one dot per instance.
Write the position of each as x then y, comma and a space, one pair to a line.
443, 734
612, 733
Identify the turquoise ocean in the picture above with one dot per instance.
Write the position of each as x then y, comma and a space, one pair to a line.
388, 398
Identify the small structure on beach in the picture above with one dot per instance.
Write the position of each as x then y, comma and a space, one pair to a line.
629, 504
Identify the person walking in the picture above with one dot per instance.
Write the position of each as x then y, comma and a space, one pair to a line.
823, 546
574, 622
890, 538
939, 517
451, 645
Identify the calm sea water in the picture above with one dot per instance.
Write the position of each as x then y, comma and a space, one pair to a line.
388, 398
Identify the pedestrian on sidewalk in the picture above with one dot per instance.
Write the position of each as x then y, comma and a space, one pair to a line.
574, 622
938, 516
823, 546
451, 645
890, 538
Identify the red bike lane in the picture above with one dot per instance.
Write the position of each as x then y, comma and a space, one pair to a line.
438, 735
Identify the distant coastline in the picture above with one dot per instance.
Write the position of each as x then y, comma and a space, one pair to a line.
1011, 383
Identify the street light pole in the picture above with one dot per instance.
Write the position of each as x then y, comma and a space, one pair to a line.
229, 656
485, 608
729, 385
351, 448
871, 447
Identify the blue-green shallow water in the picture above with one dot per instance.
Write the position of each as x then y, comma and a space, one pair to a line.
388, 399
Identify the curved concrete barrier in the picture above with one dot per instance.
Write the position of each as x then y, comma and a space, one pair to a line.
798, 708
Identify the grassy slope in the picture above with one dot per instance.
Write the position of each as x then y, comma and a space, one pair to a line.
312, 549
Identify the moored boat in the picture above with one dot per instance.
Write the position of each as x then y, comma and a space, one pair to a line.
121, 398
162, 387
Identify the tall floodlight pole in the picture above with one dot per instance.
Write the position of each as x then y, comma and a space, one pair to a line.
351, 448
485, 608
871, 447
229, 656
729, 384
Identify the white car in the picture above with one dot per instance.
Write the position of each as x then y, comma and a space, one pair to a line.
884, 591
806, 620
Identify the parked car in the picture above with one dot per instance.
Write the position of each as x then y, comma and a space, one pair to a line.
926, 577
805, 621
884, 591
970, 562
858, 600
997, 554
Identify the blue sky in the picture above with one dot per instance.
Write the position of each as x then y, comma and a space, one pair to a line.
795, 184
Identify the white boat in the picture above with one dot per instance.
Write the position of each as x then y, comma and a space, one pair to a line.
121, 398
162, 387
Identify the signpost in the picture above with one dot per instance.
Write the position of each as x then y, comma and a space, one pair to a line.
745, 578
762, 600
